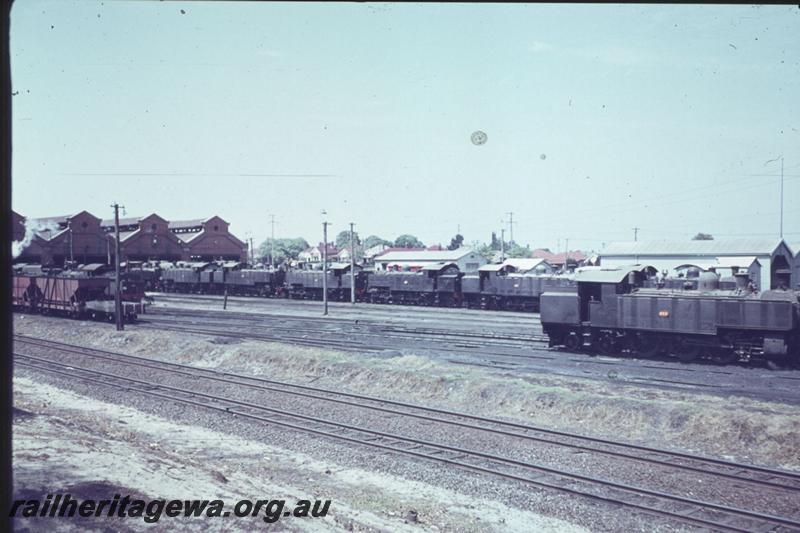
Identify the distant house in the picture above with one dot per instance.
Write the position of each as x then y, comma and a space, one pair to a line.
466, 259
557, 260
313, 255
344, 253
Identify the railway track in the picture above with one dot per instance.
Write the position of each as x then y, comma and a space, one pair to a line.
364, 328
499, 356
346, 307
675, 506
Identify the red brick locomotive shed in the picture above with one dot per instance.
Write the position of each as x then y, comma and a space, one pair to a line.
84, 238
208, 240
77, 237
145, 238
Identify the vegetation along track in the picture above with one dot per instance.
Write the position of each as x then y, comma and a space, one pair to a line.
752, 479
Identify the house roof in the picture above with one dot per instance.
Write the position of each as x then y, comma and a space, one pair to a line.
741, 247
425, 255
493, 267
558, 258
524, 264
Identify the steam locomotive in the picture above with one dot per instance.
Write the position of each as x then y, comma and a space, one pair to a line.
437, 284
625, 310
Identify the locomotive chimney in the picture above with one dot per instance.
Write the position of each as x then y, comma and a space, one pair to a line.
741, 280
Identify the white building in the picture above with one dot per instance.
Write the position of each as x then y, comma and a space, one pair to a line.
769, 261
795, 247
466, 259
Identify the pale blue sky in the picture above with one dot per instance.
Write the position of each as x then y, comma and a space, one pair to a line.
599, 118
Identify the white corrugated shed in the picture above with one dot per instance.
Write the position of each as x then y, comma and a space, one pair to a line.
466, 259
715, 247
760, 256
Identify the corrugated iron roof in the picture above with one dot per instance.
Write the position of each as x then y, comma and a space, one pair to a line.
127, 221
742, 247
180, 224
189, 236
53, 220
523, 264
438, 266
426, 255
602, 275
734, 261
494, 267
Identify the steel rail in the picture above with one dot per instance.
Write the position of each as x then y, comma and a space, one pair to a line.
315, 393
683, 516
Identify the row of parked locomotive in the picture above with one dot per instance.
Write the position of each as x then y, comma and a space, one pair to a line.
439, 284
77, 291
628, 310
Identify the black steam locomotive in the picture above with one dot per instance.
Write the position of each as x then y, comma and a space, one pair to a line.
623, 310
437, 284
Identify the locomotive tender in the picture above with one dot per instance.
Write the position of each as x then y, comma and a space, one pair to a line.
614, 310
436, 284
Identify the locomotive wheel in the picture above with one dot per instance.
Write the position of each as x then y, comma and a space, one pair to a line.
723, 356
645, 346
687, 353
606, 345
572, 342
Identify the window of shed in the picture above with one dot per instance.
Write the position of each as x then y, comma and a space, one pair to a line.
153, 227
216, 228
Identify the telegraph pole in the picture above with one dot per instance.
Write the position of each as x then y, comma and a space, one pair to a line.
635, 234
117, 295
502, 245
566, 255
325, 268
510, 227
272, 242
352, 266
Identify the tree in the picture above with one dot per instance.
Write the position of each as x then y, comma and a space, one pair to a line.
343, 239
374, 240
456, 242
284, 249
703, 237
483, 249
408, 241
518, 251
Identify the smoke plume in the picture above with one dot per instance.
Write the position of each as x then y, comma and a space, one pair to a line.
31, 227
